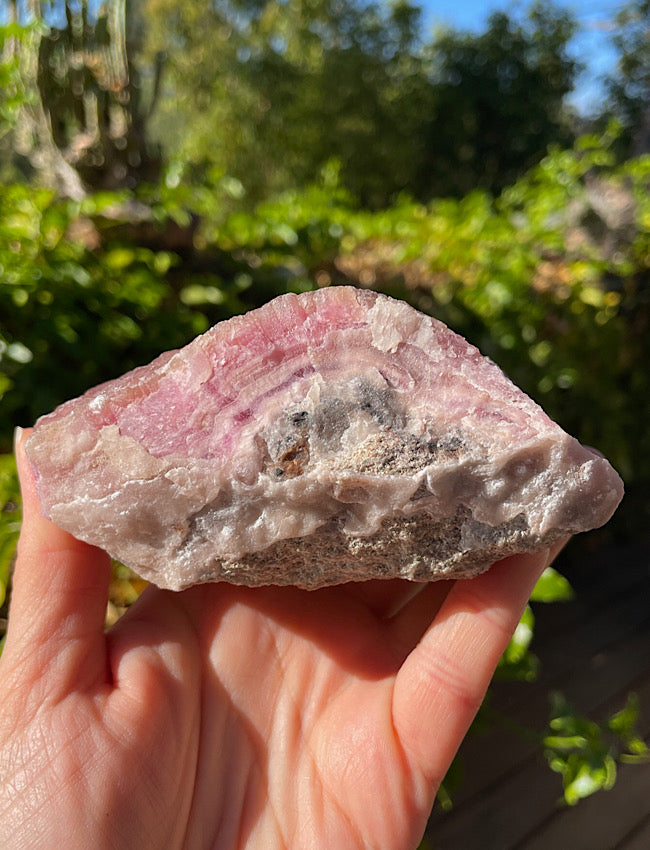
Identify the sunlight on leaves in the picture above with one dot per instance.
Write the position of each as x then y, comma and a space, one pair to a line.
586, 753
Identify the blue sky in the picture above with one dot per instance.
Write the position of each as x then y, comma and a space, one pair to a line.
590, 46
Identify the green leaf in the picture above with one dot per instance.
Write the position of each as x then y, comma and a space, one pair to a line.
518, 663
561, 742
552, 587
119, 258
622, 723
589, 779
523, 635
10, 517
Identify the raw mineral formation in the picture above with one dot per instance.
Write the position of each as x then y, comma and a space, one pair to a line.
332, 436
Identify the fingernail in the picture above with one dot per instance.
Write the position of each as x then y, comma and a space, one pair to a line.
18, 433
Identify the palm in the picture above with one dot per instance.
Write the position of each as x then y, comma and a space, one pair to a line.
231, 717
297, 689
310, 679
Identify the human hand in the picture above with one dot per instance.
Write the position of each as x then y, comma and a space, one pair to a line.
230, 717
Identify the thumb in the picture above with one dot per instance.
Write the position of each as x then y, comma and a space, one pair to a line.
59, 596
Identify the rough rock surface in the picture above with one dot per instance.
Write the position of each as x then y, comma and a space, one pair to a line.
332, 436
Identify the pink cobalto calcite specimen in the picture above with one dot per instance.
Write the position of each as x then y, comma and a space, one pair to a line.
331, 436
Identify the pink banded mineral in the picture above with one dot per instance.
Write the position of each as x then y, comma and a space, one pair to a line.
332, 436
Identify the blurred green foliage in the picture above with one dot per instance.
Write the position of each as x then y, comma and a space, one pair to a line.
11, 90
269, 91
498, 100
72, 316
10, 518
297, 83
586, 753
628, 85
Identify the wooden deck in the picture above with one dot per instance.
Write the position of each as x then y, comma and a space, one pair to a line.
595, 649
